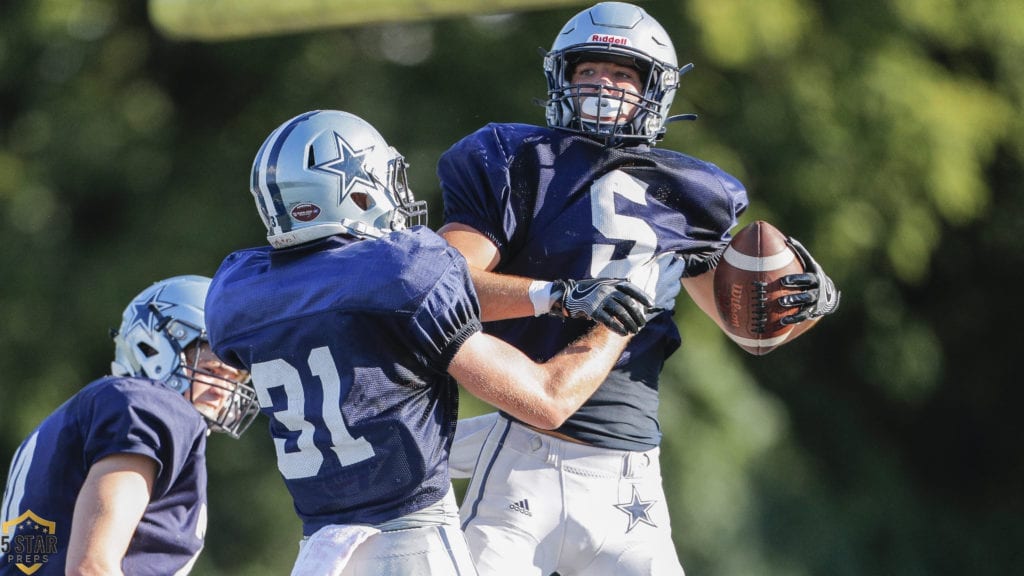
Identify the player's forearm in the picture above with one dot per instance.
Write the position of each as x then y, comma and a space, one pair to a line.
502, 296
541, 395
701, 291
574, 374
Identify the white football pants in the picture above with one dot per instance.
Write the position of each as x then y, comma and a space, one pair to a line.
538, 504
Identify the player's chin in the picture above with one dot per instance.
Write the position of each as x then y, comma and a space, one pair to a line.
209, 409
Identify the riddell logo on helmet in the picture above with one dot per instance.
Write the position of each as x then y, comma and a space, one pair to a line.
609, 39
305, 212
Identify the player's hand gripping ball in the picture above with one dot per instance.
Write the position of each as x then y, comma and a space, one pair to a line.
748, 286
819, 295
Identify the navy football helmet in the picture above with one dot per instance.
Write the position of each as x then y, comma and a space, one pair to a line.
627, 35
157, 328
328, 172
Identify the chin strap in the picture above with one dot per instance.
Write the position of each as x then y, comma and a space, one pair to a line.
679, 117
682, 70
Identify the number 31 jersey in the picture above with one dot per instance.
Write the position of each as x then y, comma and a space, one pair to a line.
560, 205
349, 342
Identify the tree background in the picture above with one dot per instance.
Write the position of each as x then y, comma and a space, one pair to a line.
886, 135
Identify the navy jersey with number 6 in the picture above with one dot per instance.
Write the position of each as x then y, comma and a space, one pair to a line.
349, 342
110, 416
558, 205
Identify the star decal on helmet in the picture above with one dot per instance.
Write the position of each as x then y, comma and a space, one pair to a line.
637, 510
348, 165
142, 311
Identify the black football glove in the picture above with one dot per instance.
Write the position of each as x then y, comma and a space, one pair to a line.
618, 304
819, 295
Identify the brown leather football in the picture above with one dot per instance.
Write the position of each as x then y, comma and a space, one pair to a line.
747, 287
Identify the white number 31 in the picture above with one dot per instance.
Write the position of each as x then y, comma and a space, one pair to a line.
307, 459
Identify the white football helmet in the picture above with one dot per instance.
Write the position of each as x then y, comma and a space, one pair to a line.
621, 33
157, 327
328, 172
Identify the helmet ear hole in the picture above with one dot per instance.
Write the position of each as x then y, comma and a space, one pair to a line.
147, 350
363, 200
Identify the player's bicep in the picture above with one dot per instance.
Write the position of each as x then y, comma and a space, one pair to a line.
109, 507
474, 246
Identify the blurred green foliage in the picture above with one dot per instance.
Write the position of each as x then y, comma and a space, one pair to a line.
887, 136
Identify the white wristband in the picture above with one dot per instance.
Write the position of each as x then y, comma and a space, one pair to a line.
540, 295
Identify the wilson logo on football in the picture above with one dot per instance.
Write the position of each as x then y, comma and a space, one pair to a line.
305, 212
609, 39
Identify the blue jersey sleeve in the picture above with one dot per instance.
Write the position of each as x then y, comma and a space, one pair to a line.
448, 316
704, 213
130, 416
447, 312
475, 181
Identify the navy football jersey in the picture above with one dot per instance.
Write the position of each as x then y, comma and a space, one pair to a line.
110, 416
349, 343
559, 205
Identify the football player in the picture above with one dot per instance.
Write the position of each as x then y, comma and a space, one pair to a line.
114, 481
353, 323
588, 196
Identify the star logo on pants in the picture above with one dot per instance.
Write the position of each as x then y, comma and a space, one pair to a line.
637, 510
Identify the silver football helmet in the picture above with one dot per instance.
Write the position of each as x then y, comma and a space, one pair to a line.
621, 33
328, 172
157, 327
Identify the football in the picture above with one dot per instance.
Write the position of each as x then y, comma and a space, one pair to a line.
747, 287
